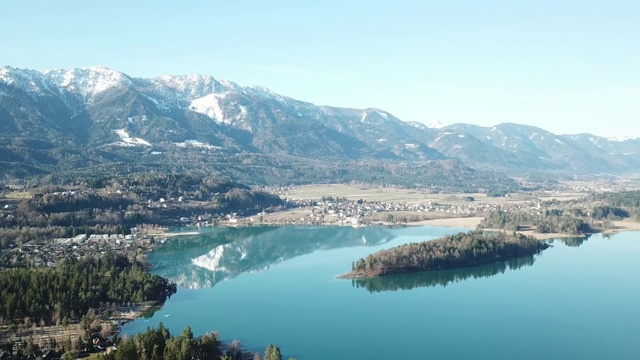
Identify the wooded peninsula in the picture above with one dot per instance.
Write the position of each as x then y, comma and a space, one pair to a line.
450, 252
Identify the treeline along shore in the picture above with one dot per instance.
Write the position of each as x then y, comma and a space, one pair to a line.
450, 252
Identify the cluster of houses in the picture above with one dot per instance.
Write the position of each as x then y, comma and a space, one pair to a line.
360, 212
50, 253
94, 239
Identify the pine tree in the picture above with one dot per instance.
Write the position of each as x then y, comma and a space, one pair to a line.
272, 353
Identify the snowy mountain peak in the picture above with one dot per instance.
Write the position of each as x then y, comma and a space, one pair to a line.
260, 88
622, 138
263, 91
5, 71
435, 125
184, 82
193, 86
86, 82
24, 78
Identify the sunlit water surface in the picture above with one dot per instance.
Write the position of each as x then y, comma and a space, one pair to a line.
579, 299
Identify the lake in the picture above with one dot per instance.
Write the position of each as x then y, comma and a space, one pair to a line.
580, 299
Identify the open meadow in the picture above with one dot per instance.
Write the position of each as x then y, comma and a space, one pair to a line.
416, 196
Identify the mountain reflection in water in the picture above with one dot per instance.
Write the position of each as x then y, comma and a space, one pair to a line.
223, 253
440, 278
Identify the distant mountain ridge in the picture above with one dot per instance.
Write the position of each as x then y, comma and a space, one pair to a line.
540, 149
69, 119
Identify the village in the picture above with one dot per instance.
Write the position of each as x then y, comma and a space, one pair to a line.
343, 211
50, 253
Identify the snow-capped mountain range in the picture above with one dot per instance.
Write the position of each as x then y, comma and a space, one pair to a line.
95, 114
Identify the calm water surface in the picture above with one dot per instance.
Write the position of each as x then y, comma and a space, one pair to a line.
579, 299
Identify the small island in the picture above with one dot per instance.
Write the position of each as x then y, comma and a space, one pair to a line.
450, 252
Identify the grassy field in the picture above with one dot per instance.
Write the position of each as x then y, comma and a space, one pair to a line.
16, 195
355, 192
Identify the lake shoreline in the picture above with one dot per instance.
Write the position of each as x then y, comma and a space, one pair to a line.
471, 222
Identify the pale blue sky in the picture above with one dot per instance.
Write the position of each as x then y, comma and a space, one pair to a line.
566, 66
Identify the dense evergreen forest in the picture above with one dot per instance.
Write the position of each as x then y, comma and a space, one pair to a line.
158, 344
583, 217
113, 205
440, 278
620, 204
628, 199
68, 291
450, 252
550, 221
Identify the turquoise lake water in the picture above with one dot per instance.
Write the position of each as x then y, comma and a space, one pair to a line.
580, 299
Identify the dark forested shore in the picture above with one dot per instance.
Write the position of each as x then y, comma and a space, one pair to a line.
68, 291
450, 252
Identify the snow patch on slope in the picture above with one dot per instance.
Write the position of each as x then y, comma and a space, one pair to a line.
210, 105
384, 115
128, 141
157, 103
441, 136
196, 143
418, 125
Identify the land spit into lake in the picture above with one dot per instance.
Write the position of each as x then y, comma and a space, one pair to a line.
450, 252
